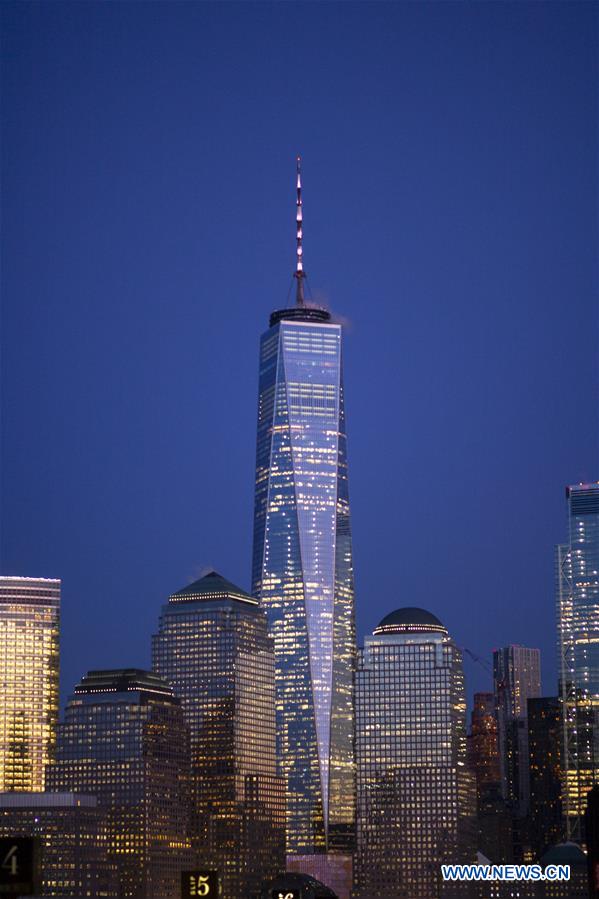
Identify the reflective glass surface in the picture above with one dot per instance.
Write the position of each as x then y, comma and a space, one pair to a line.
577, 569
415, 796
303, 575
29, 622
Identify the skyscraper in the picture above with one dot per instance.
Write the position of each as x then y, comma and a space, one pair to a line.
213, 648
29, 631
416, 798
124, 741
517, 678
544, 753
73, 835
302, 565
483, 745
494, 828
577, 575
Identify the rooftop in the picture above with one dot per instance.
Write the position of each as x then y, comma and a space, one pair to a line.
300, 313
123, 680
47, 800
410, 619
564, 854
210, 587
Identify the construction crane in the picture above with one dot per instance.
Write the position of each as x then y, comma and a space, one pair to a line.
480, 661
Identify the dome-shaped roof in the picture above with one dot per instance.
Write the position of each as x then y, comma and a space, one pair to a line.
410, 619
564, 854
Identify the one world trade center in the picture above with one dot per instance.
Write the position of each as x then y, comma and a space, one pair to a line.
302, 565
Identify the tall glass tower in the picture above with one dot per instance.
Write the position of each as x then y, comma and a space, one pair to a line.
29, 634
302, 565
213, 648
124, 740
416, 798
577, 564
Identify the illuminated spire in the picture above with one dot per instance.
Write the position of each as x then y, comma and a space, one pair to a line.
299, 273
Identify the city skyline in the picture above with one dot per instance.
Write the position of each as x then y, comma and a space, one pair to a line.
48, 493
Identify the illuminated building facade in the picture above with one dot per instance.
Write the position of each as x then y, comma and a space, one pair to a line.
578, 647
29, 633
214, 650
483, 745
302, 567
416, 798
124, 741
494, 825
546, 826
73, 834
517, 678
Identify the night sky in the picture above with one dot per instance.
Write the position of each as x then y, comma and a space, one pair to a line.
450, 159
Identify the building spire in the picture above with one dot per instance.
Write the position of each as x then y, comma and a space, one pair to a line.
299, 273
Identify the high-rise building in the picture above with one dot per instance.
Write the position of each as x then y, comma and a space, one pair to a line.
517, 678
124, 741
73, 841
591, 833
494, 826
302, 566
546, 825
214, 650
29, 632
577, 576
416, 798
483, 744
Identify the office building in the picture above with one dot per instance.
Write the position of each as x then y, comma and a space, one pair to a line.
517, 678
483, 744
29, 632
546, 823
577, 576
302, 566
494, 821
416, 798
124, 741
72, 835
213, 648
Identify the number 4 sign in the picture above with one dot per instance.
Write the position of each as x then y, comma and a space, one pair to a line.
18, 858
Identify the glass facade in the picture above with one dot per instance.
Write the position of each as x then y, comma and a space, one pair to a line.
516, 679
544, 753
73, 834
303, 573
577, 570
214, 650
494, 825
416, 798
29, 633
124, 741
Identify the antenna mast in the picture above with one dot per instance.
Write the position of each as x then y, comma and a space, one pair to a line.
299, 273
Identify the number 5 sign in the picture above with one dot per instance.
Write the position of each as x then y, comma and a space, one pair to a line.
18, 866
199, 883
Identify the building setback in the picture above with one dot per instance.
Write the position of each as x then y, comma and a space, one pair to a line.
73, 841
416, 798
29, 663
213, 648
302, 566
124, 740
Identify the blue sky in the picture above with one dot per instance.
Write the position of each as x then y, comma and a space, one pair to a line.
450, 205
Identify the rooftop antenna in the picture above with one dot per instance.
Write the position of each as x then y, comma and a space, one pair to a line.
299, 273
